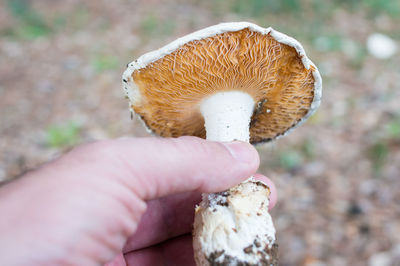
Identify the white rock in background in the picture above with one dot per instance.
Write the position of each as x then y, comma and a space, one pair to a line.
380, 259
381, 46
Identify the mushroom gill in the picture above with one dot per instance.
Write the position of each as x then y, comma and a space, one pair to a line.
173, 87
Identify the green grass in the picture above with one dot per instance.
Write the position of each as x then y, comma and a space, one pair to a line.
307, 149
257, 8
375, 7
378, 153
305, 8
328, 43
63, 135
30, 24
290, 159
149, 24
80, 17
104, 62
385, 139
153, 25
393, 129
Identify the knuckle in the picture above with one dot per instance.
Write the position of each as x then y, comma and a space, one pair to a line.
194, 144
98, 149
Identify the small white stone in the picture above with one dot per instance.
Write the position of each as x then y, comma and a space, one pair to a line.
381, 46
380, 259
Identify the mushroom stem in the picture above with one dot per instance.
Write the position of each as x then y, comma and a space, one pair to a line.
227, 116
233, 227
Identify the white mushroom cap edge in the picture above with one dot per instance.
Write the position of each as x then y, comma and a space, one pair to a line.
133, 93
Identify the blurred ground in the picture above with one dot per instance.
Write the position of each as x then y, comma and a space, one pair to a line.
338, 176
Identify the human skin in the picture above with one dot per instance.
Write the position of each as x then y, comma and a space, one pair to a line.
118, 202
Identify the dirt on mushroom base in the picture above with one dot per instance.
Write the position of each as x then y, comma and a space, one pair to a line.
240, 215
341, 168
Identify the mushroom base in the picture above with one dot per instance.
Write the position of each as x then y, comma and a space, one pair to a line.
234, 228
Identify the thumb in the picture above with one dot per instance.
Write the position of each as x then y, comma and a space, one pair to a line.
155, 167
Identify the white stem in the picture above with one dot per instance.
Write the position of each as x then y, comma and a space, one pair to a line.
232, 227
227, 116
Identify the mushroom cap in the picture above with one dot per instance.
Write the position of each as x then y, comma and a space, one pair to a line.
166, 87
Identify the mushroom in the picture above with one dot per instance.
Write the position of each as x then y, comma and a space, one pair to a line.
231, 81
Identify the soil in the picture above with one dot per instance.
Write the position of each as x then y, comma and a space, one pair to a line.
338, 175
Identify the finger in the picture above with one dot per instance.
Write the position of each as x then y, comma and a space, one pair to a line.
164, 218
175, 252
119, 260
172, 216
155, 167
274, 195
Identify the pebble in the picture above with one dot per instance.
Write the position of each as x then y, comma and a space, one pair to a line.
381, 46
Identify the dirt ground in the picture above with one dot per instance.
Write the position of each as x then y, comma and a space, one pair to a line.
338, 176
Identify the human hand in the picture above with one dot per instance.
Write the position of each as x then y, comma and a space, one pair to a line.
132, 197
